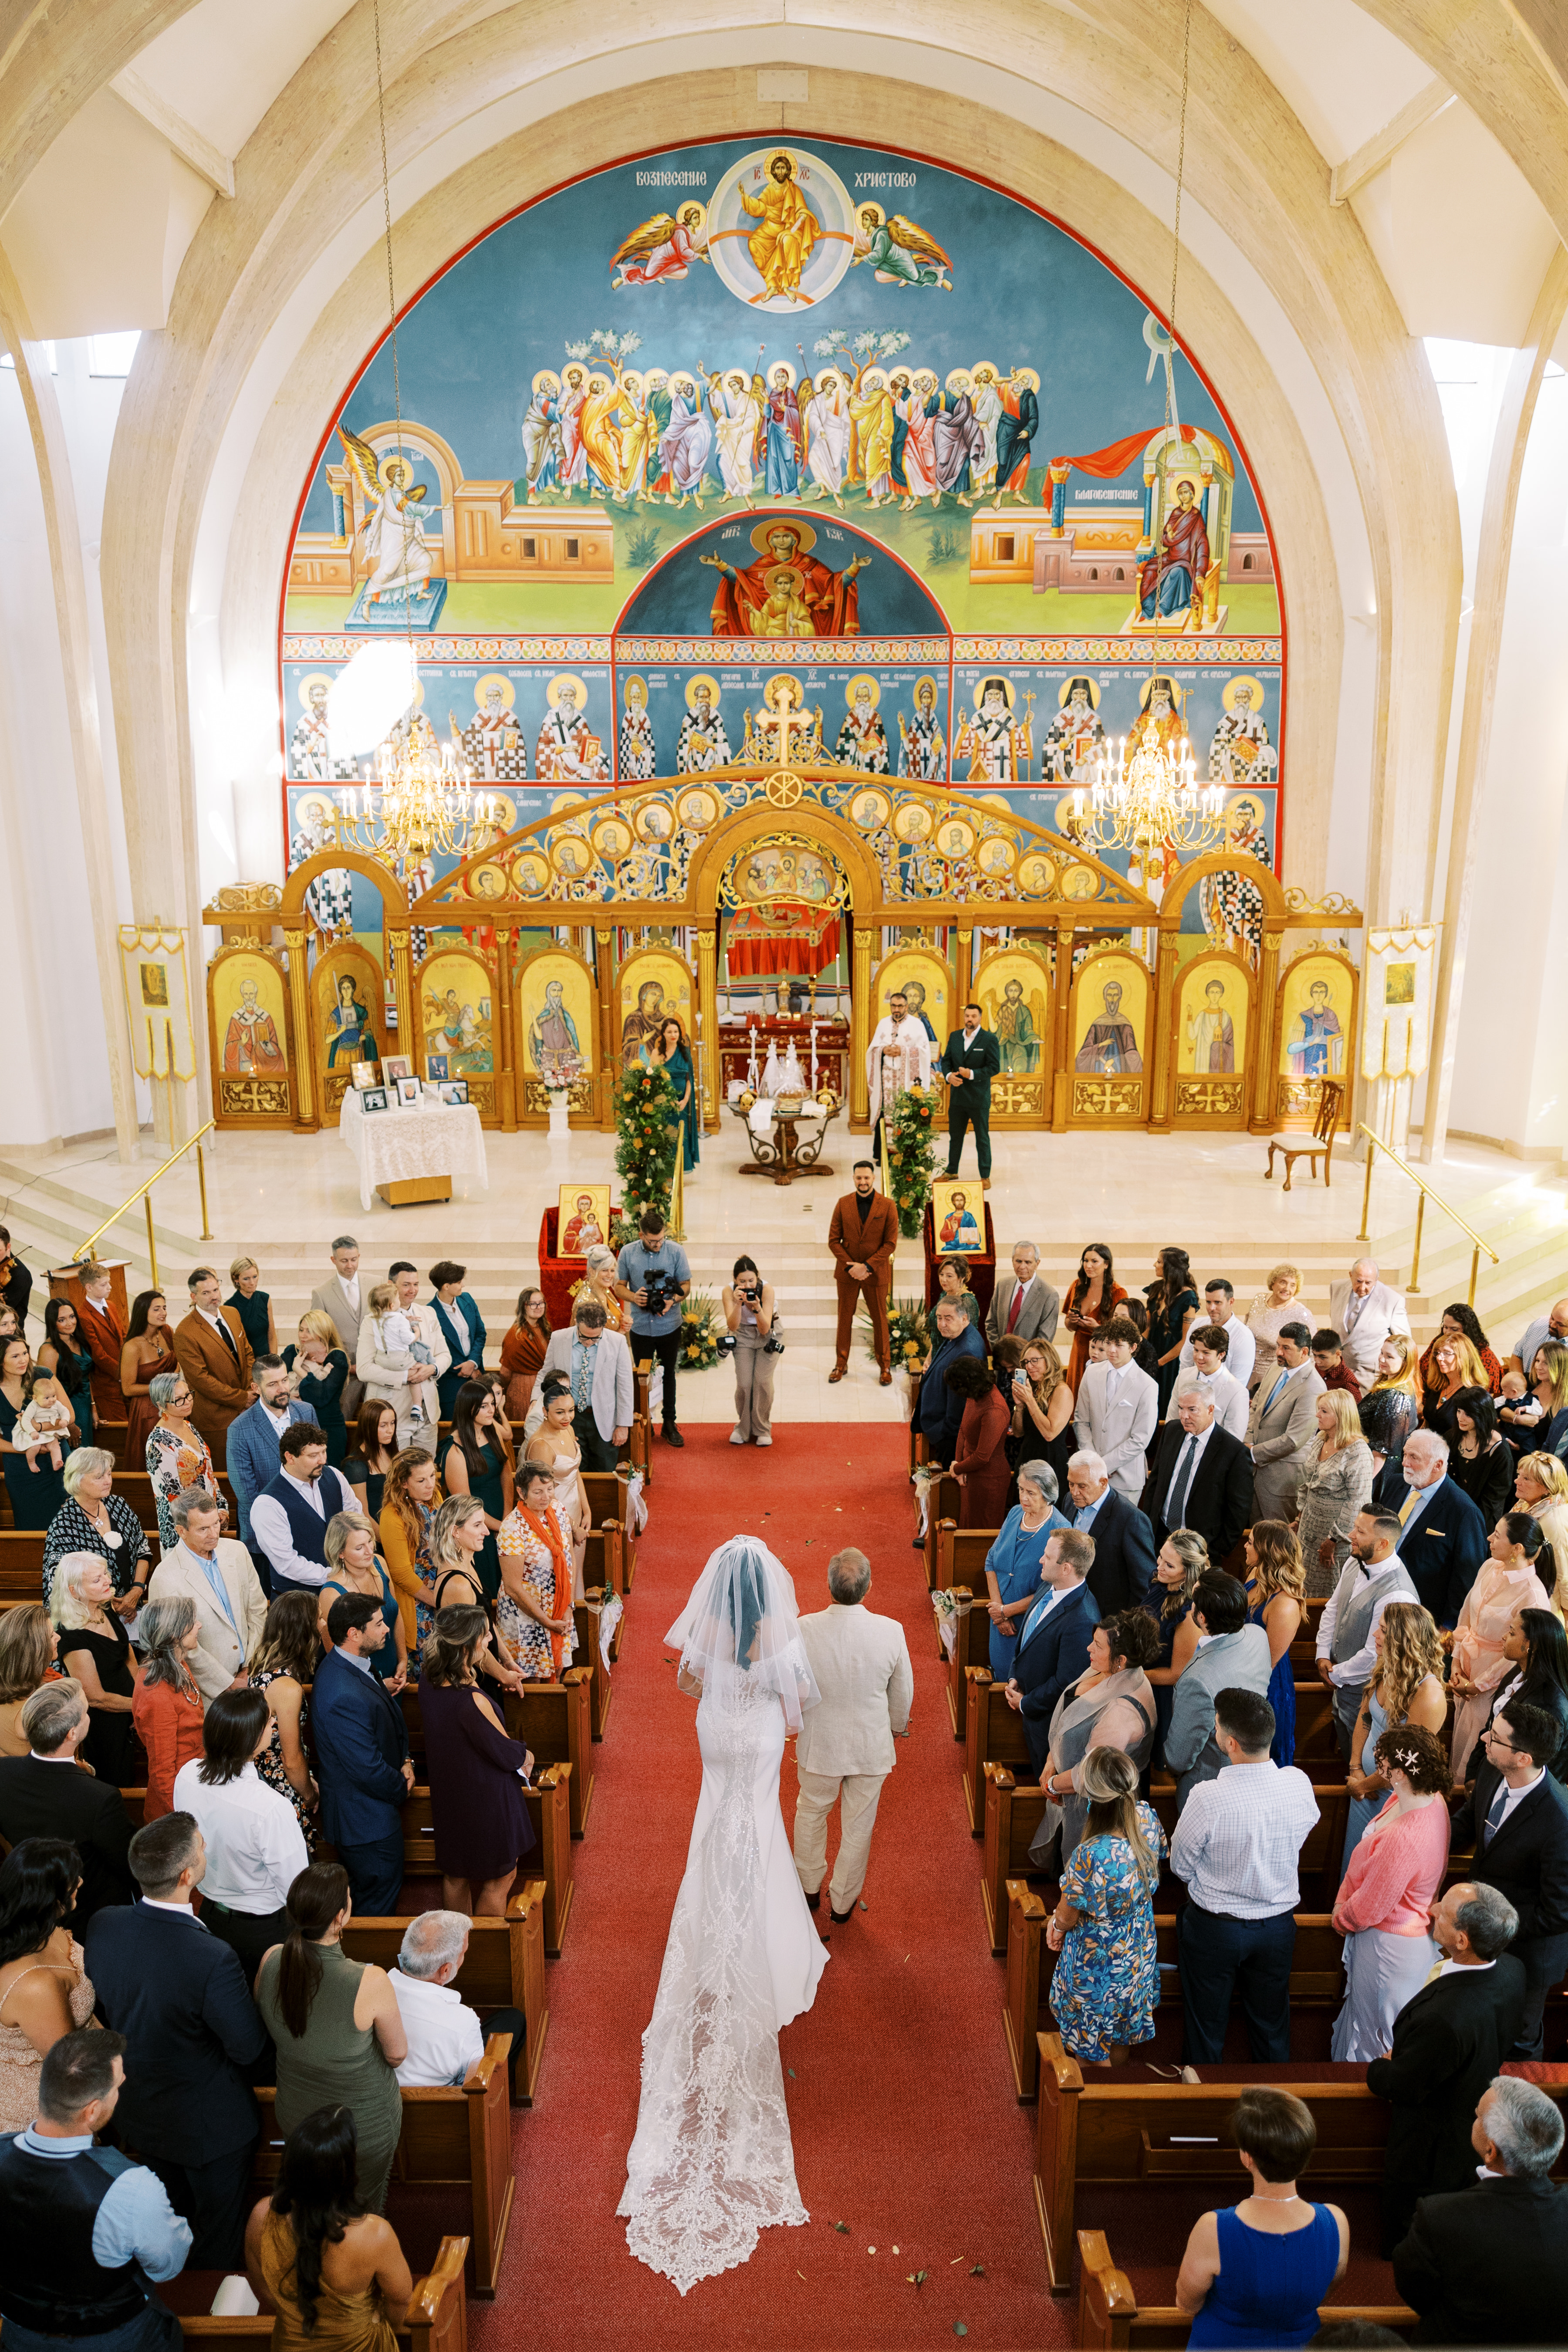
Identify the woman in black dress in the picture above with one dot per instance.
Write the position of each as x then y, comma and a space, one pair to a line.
322, 1364
64, 1351
252, 1306
475, 1464
1172, 1307
96, 1648
35, 1493
371, 1456
477, 1774
1480, 1458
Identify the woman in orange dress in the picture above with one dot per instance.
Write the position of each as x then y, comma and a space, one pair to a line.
148, 1350
523, 1353
1094, 1295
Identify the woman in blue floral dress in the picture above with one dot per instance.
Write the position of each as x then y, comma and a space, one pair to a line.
1106, 1988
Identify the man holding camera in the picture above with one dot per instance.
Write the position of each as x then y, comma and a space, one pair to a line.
653, 1277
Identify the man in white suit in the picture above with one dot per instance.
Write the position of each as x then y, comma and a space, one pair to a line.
844, 1750
598, 1365
344, 1299
214, 1571
399, 1384
1283, 1424
1364, 1310
1118, 1410
1027, 1307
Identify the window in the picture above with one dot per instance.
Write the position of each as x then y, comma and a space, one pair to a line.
112, 355
530, 550
6, 360
1005, 547
573, 550
1119, 572
1246, 562
1094, 570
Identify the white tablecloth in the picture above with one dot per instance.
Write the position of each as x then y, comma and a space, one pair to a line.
391, 1146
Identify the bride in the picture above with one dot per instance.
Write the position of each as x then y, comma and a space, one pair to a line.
711, 2164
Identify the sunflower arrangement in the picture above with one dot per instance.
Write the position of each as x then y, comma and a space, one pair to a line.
648, 1131
912, 1156
908, 1336
699, 1332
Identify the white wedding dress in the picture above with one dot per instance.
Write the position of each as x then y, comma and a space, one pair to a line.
712, 2163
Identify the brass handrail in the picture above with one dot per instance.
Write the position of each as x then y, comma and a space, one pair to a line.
1427, 1192
143, 1193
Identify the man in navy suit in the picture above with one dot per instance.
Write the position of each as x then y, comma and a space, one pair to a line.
254, 1460
1053, 1642
1124, 1541
194, 2036
1516, 1817
362, 1757
940, 1413
1443, 1536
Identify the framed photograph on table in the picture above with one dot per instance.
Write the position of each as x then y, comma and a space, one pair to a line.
372, 1099
453, 1090
957, 1216
395, 1067
365, 1074
436, 1068
409, 1094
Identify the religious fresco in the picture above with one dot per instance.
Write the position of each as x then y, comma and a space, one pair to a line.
1013, 990
653, 984
455, 1016
1316, 1018
1211, 1019
747, 406
557, 1016
1111, 997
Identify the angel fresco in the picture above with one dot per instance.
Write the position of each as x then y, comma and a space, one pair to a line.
394, 536
898, 251
665, 246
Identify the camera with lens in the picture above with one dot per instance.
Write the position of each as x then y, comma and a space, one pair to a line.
658, 1289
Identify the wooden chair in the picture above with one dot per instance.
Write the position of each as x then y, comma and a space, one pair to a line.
450, 2138
436, 2319
1320, 1146
503, 1966
1109, 2319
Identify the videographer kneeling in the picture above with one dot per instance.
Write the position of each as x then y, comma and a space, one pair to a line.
652, 1276
752, 1339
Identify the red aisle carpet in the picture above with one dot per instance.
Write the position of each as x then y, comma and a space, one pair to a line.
904, 2121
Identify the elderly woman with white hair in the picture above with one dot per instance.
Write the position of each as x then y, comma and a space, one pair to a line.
95, 1649
177, 1454
1013, 1562
94, 1518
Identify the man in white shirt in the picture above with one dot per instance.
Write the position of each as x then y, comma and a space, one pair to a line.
844, 1752
254, 1845
446, 2037
290, 1516
1241, 1351
1118, 1410
1364, 1310
1027, 1307
1374, 1575
1237, 1845
1206, 1356
215, 1573
342, 1298
1552, 1325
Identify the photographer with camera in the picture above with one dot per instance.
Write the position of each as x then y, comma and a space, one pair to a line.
751, 1335
652, 1276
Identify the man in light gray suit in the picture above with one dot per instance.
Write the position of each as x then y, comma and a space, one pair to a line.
1283, 1423
1118, 1410
1364, 1310
342, 1298
596, 1364
844, 1752
1027, 1307
1231, 1655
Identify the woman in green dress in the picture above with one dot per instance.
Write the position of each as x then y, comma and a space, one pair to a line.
336, 2025
674, 1056
476, 1463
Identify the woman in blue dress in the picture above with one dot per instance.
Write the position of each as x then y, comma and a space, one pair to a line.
1106, 1987
1275, 1577
349, 1032
673, 1055
1255, 2275
1013, 1559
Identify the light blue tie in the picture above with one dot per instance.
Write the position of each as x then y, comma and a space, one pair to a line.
1268, 1402
1035, 1615
220, 1589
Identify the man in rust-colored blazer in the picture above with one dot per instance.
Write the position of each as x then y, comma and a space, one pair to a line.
101, 1329
863, 1236
214, 1354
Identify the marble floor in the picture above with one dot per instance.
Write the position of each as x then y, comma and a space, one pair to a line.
281, 1198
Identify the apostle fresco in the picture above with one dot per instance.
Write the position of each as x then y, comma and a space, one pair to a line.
1316, 1045
553, 1038
1109, 1043
250, 1047
1212, 1034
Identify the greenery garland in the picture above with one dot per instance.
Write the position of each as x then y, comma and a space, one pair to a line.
648, 1135
912, 1156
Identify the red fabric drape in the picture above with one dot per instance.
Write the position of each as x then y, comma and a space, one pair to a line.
1108, 463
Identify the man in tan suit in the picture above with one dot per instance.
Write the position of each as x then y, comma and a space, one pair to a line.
215, 1573
844, 1750
1283, 1423
863, 1234
213, 1352
343, 1299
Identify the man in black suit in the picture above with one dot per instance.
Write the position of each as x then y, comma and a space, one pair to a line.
193, 2033
1516, 1816
1123, 1541
1053, 1639
1201, 1479
1489, 2263
1443, 1536
43, 1794
1448, 2041
971, 1059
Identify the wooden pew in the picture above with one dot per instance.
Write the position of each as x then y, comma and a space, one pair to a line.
639, 1447
1014, 1807
550, 1810
22, 1563
961, 1567
1303, 1652
942, 1504
601, 1690
606, 1492
1108, 2133
1317, 1975
454, 2138
436, 2319
1109, 2319
554, 1720
993, 1734
503, 1966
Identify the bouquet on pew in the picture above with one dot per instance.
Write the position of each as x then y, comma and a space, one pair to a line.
699, 1336
909, 1337
912, 1156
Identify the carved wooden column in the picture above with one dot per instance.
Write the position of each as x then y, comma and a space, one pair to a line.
509, 1086
708, 1000
1162, 1083
1061, 1083
294, 937
963, 971
609, 1044
1266, 1034
860, 1027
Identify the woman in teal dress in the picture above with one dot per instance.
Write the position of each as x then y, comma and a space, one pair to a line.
349, 1032
1106, 1988
673, 1055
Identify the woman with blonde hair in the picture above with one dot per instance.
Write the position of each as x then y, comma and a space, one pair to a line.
1452, 1364
1107, 1982
355, 1570
408, 1520
252, 1306
95, 1649
1549, 1380
27, 1646
1267, 1316
460, 1534
1406, 1687
1338, 1484
1540, 1487
320, 1364
1042, 1404
1275, 1581
599, 1284
1460, 1321
1390, 1408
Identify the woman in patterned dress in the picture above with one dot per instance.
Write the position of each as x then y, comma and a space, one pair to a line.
535, 1605
283, 1670
1106, 1988
177, 1454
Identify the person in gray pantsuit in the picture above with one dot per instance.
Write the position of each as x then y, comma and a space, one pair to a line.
1283, 1423
1231, 1655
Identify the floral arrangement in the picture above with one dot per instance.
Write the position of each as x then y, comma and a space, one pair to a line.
908, 1338
699, 1332
912, 1156
647, 1133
